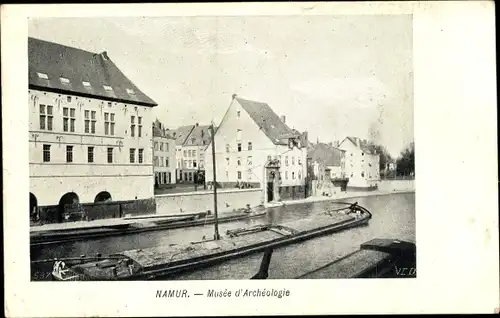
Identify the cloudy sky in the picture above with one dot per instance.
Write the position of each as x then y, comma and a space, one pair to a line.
333, 76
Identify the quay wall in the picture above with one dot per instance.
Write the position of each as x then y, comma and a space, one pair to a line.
193, 202
396, 185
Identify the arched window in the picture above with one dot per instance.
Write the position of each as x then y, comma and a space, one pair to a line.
103, 196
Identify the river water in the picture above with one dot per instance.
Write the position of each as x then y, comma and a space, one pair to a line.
393, 217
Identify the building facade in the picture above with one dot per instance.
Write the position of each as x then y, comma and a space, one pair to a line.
89, 129
361, 163
164, 160
329, 161
254, 147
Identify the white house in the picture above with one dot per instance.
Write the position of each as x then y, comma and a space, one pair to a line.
163, 155
89, 129
253, 146
361, 163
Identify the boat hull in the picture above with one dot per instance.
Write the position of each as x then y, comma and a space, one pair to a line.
165, 273
59, 238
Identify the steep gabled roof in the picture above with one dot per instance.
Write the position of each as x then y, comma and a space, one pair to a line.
160, 131
325, 153
199, 136
76, 66
181, 134
362, 144
267, 120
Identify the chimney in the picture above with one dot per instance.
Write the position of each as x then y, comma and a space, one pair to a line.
197, 124
283, 119
330, 144
234, 96
105, 55
337, 143
202, 133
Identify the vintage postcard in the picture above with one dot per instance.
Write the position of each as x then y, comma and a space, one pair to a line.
189, 159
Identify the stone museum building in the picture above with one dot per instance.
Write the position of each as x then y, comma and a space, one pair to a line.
89, 129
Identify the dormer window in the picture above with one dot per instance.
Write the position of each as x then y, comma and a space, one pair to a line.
107, 88
86, 84
42, 75
130, 91
64, 80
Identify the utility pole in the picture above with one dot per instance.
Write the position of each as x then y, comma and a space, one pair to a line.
216, 218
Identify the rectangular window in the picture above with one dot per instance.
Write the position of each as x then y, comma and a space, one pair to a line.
167, 163
293, 175
155, 161
90, 154
132, 155
50, 117
69, 153
167, 147
227, 161
139, 122
185, 163
132, 126
87, 121
194, 163
202, 164
194, 153
249, 173
106, 123
185, 153
286, 160
92, 122
238, 135
161, 146
238, 113
227, 148
43, 117
141, 155
46, 117
239, 175
286, 175
299, 161
249, 161
161, 162
156, 145
249, 146
46, 153
68, 119
112, 124
239, 147
293, 160
300, 175
190, 163
238, 162
110, 155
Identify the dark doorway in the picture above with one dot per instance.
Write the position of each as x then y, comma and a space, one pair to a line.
33, 205
103, 196
66, 199
270, 192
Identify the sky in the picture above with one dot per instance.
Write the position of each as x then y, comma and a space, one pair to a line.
333, 76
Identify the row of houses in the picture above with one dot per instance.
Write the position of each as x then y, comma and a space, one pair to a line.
92, 138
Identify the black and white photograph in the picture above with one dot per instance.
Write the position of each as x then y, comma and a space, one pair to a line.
177, 148
232, 159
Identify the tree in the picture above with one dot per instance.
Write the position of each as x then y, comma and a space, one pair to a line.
405, 164
385, 157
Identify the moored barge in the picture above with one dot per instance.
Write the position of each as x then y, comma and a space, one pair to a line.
167, 261
161, 223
